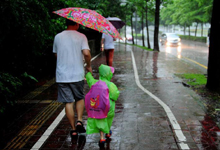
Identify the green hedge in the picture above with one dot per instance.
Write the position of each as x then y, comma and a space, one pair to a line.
194, 38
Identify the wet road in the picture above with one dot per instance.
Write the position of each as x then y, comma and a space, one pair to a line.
193, 52
154, 110
190, 51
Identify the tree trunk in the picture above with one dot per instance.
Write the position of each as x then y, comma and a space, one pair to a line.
184, 29
148, 38
202, 29
213, 81
156, 28
125, 30
132, 34
196, 28
142, 26
189, 30
136, 26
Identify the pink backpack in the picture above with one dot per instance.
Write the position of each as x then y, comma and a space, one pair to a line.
97, 101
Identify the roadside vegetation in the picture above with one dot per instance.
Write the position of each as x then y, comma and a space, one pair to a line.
211, 99
193, 38
27, 32
142, 47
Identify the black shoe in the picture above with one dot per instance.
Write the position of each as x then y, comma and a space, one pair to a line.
108, 135
80, 128
81, 142
74, 137
102, 143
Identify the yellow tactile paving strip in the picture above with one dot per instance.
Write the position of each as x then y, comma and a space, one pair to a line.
20, 140
37, 91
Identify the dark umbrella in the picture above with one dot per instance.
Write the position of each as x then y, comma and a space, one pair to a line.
117, 23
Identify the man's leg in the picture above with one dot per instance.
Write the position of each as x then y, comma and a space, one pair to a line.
110, 55
70, 114
80, 109
107, 56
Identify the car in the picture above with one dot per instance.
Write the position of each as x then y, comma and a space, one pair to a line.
170, 39
128, 37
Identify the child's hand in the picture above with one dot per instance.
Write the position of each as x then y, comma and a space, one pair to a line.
89, 69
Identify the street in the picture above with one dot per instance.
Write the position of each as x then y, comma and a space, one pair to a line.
191, 51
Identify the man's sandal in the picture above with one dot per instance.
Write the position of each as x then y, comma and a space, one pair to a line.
80, 128
72, 135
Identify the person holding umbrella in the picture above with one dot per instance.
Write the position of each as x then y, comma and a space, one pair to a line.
70, 47
66, 57
107, 44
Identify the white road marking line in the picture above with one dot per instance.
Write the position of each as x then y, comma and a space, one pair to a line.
176, 127
50, 129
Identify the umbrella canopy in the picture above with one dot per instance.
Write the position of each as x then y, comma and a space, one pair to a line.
89, 18
118, 23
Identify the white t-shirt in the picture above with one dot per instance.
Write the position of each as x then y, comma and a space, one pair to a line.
70, 65
109, 42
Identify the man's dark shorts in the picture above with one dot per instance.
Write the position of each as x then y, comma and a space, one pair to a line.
70, 92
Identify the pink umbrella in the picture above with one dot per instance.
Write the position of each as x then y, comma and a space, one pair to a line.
89, 18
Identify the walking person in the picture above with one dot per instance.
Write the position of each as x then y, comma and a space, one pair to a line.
70, 47
107, 44
101, 125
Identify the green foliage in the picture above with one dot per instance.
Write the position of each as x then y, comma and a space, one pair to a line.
194, 38
9, 86
185, 12
27, 31
29, 76
142, 47
194, 79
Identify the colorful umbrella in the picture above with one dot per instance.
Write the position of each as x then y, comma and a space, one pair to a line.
117, 23
89, 18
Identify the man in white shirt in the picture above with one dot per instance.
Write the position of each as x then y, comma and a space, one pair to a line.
70, 47
107, 43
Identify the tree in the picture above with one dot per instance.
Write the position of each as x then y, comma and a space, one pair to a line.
146, 17
183, 12
156, 25
213, 81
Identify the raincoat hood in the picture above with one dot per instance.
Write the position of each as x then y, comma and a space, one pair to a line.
105, 72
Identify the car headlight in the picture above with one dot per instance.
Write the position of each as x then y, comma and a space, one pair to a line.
168, 43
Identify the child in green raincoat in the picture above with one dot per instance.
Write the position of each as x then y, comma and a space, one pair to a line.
103, 125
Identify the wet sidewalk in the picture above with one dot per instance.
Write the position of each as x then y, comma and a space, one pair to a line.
153, 112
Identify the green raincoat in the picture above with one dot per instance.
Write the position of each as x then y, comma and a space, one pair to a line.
97, 125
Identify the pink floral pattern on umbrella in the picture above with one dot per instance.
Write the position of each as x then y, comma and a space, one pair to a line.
89, 18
